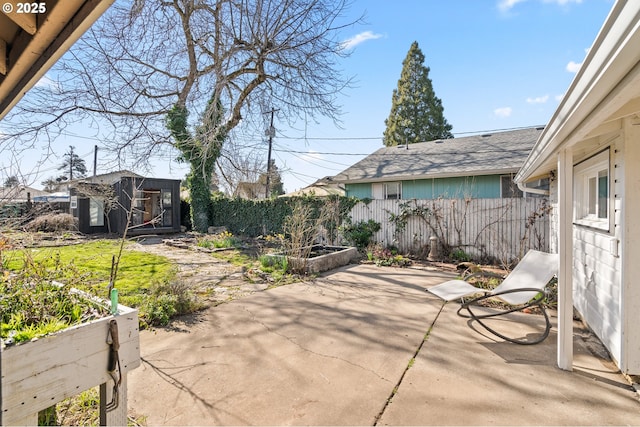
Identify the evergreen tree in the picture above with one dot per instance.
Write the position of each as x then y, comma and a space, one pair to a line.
73, 164
276, 186
12, 181
416, 114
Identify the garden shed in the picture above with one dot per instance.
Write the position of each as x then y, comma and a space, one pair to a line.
106, 203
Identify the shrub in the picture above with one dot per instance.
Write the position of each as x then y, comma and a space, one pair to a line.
387, 256
269, 264
53, 222
166, 300
360, 234
460, 255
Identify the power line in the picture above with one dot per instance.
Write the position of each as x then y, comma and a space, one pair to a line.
373, 138
399, 153
348, 138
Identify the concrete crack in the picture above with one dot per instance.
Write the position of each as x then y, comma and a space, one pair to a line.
297, 344
415, 355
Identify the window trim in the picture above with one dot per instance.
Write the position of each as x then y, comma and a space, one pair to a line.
514, 189
385, 192
587, 204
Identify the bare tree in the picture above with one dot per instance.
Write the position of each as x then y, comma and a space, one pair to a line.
186, 73
236, 165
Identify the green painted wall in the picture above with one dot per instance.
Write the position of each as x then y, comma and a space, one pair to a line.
361, 191
477, 187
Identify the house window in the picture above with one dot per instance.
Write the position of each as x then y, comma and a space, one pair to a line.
96, 212
508, 188
592, 191
392, 190
167, 219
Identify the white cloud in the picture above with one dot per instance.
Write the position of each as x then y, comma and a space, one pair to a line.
563, 2
352, 42
538, 100
47, 82
502, 112
559, 97
506, 5
573, 67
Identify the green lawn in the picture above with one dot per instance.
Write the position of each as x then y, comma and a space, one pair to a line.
87, 266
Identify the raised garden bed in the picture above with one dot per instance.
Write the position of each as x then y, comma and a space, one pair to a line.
38, 374
324, 258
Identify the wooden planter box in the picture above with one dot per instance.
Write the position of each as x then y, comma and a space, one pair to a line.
38, 374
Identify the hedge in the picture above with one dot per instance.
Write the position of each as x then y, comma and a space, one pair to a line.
253, 218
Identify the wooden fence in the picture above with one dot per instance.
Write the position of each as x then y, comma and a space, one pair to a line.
485, 229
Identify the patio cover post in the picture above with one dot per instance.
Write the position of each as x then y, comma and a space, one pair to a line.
565, 258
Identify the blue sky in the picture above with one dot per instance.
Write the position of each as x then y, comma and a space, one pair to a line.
495, 64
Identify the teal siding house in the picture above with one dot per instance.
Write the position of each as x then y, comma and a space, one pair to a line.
479, 166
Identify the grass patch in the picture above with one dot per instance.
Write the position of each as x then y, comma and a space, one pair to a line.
92, 263
219, 241
144, 281
84, 410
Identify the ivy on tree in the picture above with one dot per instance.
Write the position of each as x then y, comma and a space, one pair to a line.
144, 72
416, 113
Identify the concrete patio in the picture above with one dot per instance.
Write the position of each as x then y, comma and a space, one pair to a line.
366, 345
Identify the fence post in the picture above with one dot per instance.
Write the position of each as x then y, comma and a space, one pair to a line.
434, 249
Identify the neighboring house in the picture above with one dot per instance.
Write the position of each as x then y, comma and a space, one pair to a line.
321, 188
102, 203
480, 166
591, 147
20, 194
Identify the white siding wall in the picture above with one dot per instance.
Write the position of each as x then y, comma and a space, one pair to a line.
503, 229
596, 268
629, 235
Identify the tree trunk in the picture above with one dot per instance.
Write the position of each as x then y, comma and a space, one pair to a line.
200, 198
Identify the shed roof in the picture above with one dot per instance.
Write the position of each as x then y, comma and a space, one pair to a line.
106, 178
486, 154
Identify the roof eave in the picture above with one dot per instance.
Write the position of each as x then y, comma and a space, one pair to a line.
52, 46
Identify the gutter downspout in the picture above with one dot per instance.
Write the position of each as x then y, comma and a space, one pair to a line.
525, 189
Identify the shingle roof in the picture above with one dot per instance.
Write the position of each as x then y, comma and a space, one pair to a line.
500, 152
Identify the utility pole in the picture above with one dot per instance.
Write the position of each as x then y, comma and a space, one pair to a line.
271, 132
95, 159
70, 162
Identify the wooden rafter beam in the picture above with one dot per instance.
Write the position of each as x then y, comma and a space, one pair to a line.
26, 21
3, 57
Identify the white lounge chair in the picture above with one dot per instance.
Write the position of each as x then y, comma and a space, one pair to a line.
523, 287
